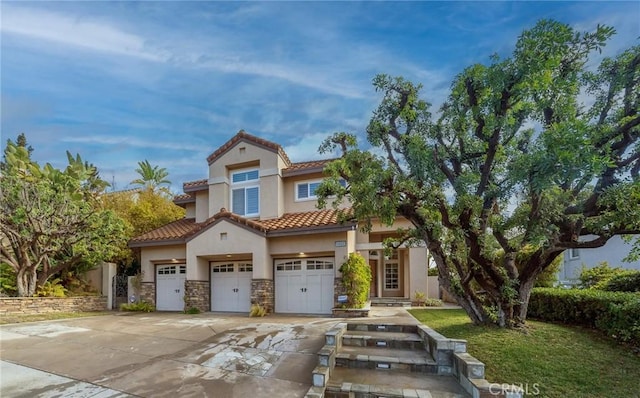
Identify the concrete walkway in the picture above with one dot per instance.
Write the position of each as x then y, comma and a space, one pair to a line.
168, 354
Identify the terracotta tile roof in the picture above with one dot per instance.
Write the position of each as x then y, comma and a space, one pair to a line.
313, 166
173, 231
198, 185
308, 219
184, 229
184, 198
243, 136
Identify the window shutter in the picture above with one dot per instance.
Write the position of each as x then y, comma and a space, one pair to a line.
253, 200
312, 188
303, 191
238, 201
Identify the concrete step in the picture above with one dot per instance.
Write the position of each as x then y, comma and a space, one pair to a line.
384, 359
365, 383
389, 302
381, 327
357, 338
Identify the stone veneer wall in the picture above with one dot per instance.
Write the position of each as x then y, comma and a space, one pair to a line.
148, 292
41, 305
262, 293
197, 294
338, 290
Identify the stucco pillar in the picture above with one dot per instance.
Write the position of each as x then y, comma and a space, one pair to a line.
108, 272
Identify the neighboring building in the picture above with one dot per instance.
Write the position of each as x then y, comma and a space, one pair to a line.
613, 252
253, 235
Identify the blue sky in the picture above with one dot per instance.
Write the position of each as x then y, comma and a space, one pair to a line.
121, 82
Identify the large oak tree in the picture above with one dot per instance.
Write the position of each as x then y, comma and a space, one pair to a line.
529, 156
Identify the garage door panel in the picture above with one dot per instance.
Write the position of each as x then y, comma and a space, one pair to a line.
304, 285
231, 287
170, 287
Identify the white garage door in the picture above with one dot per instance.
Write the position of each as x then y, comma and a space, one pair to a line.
304, 286
231, 286
170, 287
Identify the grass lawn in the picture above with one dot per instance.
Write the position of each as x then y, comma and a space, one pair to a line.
564, 361
5, 319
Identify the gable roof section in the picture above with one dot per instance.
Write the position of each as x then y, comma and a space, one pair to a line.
242, 136
184, 230
173, 232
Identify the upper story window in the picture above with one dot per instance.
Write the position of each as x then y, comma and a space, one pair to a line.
245, 193
307, 190
574, 253
244, 176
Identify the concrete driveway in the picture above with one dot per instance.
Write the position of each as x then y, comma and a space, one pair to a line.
161, 355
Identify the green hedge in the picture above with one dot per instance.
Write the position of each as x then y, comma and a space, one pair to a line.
615, 313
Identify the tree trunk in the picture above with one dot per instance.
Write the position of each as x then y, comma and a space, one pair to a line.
26, 281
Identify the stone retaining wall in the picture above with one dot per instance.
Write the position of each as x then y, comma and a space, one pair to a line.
42, 305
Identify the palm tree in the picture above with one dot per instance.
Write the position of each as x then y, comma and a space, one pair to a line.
151, 176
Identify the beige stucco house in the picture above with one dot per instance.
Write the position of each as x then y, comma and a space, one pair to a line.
253, 235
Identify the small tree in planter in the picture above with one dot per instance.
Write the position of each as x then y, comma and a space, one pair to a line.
356, 279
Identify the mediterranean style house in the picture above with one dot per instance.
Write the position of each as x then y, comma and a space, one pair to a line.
252, 234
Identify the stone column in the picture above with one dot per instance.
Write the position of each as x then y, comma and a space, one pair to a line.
148, 292
262, 293
197, 294
338, 290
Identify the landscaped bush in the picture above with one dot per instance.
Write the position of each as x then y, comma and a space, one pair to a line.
52, 288
598, 276
627, 281
615, 313
257, 311
142, 306
356, 279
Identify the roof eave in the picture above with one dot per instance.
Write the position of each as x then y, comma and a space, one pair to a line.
311, 170
157, 242
322, 229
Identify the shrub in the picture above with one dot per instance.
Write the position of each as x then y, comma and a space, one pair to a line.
142, 306
7, 280
419, 296
597, 276
432, 271
192, 310
432, 302
615, 313
52, 288
626, 281
356, 279
257, 311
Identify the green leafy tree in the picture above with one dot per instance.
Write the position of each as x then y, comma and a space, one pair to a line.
532, 151
151, 177
142, 211
49, 222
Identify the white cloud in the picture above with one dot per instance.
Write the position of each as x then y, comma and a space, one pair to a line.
66, 30
133, 142
307, 148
